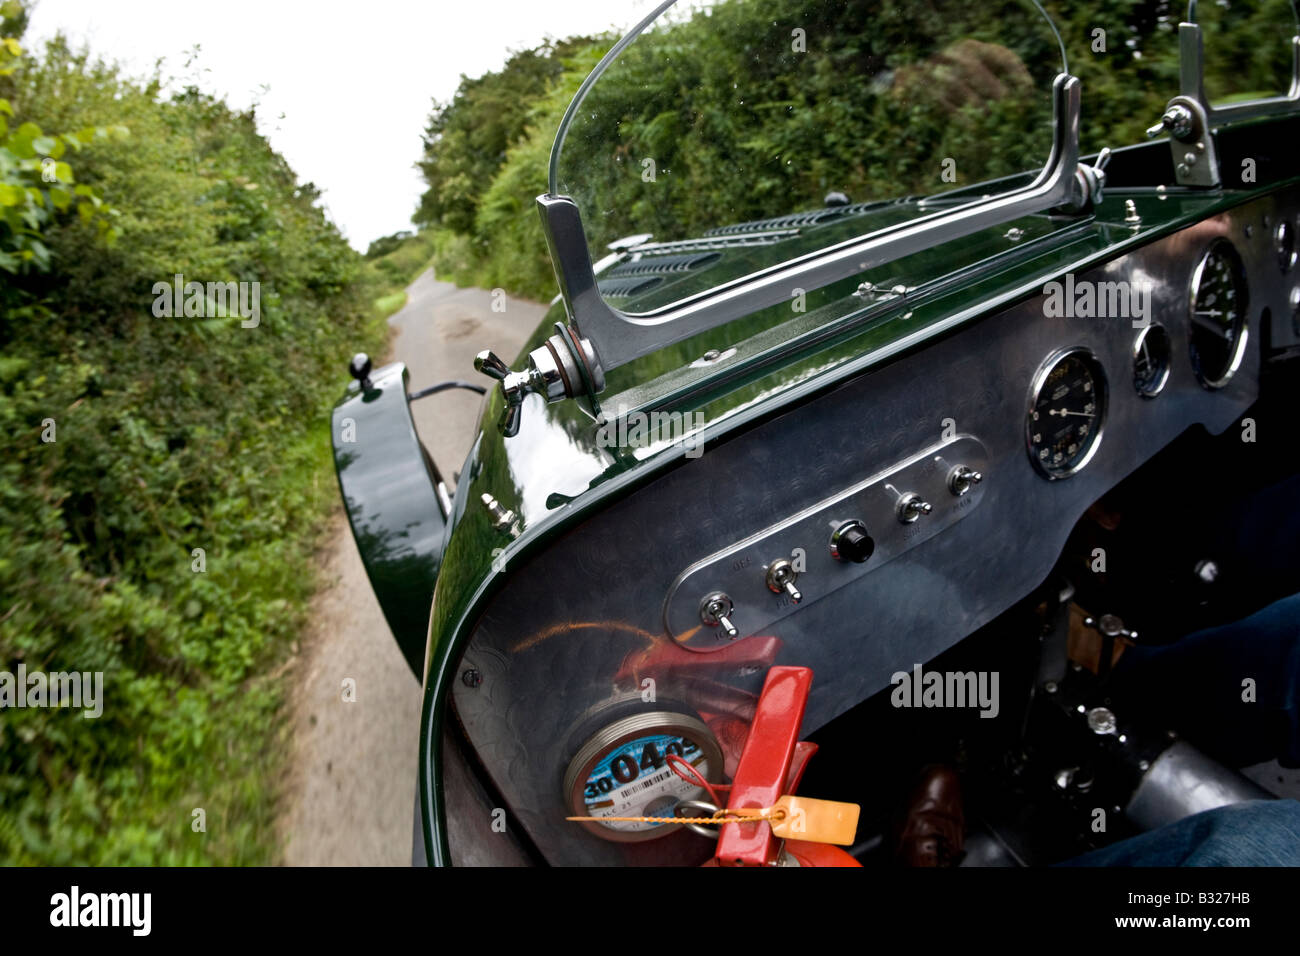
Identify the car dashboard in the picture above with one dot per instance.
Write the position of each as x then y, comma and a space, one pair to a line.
861, 529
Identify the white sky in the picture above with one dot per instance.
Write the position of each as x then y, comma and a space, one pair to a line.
354, 80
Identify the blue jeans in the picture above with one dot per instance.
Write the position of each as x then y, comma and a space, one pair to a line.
1257, 833
1196, 685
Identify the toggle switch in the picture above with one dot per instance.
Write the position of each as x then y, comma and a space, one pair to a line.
962, 479
911, 507
781, 576
716, 610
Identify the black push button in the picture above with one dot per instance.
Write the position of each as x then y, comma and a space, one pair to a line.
852, 543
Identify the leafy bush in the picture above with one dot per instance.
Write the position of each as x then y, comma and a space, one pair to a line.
505, 248
395, 269
746, 130
386, 244
36, 184
170, 435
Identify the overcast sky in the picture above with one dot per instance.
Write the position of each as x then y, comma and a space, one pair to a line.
354, 79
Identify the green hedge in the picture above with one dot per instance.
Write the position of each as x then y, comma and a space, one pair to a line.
171, 434
742, 127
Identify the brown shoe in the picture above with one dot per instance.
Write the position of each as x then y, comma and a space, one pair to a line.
933, 832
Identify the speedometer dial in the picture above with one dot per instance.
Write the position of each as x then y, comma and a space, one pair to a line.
1218, 315
1067, 406
623, 771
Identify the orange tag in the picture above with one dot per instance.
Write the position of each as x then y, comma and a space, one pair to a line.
817, 821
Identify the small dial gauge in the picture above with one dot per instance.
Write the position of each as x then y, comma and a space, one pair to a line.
623, 771
1066, 409
1151, 354
1284, 245
1218, 315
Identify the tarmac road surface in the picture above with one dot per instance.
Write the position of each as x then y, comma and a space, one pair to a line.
350, 792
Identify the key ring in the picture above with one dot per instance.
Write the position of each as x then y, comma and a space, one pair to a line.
702, 808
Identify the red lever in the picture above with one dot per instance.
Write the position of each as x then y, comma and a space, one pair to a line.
764, 768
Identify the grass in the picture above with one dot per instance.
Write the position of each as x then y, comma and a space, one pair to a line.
388, 275
386, 305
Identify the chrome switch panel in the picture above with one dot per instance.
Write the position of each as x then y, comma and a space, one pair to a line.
907, 503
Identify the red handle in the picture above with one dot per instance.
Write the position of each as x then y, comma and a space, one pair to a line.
764, 768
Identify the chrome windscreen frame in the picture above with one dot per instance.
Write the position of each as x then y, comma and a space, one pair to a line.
1191, 81
618, 338
1191, 119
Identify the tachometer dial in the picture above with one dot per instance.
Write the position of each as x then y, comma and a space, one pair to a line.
1218, 315
623, 771
1151, 353
1066, 409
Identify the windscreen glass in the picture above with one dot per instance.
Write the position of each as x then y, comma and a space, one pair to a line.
1248, 48
735, 135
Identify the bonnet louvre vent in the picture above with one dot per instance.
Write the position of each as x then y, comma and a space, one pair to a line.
626, 288
797, 220
661, 265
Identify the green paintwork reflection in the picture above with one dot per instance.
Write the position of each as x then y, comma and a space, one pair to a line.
388, 493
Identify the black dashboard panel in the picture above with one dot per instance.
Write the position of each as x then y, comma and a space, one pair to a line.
552, 667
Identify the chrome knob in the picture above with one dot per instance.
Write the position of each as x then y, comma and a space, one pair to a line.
911, 507
359, 368
551, 371
961, 479
1086, 189
1110, 625
490, 364
1101, 720
1178, 120
781, 576
502, 518
515, 386
716, 610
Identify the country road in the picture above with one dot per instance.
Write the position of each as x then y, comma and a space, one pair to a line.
349, 796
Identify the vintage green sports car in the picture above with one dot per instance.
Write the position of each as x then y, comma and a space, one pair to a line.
866, 385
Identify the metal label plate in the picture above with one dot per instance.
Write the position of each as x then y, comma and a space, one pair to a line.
740, 570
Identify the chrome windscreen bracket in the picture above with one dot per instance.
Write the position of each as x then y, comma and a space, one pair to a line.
618, 338
1191, 143
1190, 119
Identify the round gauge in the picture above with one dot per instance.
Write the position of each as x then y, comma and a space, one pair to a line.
1218, 319
1284, 244
1151, 353
1067, 406
623, 771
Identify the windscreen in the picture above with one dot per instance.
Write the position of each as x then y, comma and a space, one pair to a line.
740, 133
1248, 48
